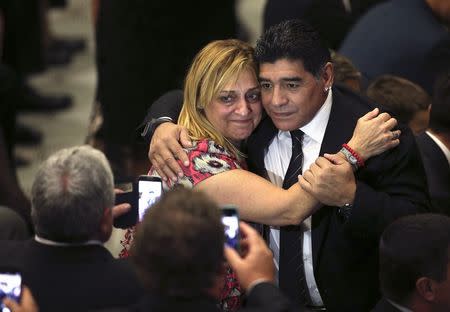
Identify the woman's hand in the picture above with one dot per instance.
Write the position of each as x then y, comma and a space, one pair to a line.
373, 136
166, 147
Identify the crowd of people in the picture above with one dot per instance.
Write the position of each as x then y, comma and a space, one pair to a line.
338, 162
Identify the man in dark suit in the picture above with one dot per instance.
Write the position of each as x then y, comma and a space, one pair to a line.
339, 245
434, 146
415, 276
386, 41
66, 266
179, 252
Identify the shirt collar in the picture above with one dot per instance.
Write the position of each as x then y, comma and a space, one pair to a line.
441, 145
315, 129
399, 307
48, 242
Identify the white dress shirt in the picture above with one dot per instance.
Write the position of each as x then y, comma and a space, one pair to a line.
276, 161
399, 307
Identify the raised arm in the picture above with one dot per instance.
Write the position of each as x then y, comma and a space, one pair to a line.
261, 201
167, 105
373, 136
391, 185
258, 199
335, 186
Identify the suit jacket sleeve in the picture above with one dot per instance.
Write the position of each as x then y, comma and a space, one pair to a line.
168, 105
266, 297
392, 185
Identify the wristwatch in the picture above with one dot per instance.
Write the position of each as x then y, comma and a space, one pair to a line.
350, 158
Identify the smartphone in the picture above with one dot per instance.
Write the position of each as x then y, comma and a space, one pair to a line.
230, 220
10, 286
150, 190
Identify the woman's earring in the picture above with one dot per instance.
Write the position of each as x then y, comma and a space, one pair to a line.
326, 89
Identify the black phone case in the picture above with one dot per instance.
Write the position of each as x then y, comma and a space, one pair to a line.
130, 218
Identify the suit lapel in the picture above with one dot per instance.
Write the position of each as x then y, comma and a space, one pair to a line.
339, 130
434, 161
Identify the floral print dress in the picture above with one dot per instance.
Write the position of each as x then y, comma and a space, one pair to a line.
206, 159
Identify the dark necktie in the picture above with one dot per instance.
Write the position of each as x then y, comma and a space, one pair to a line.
292, 273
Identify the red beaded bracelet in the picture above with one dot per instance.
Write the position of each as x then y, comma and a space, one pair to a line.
355, 154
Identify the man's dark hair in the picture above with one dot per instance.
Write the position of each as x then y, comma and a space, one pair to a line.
398, 95
294, 40
413, 247
439, 115
178, 248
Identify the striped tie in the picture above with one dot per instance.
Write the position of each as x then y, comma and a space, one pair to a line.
292, 273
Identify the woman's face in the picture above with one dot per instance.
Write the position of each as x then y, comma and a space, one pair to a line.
236, 110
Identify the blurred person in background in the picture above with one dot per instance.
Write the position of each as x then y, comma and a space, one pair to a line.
384, 41
415, 276
407, 101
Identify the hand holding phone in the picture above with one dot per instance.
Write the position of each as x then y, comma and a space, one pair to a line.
27, 302
140, 195
150, 190
122, 208
10, 287
256, 264
230, 220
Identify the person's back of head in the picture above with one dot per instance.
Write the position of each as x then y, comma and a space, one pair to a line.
178, 247
440, 110
294, 40
407, 101
415, 262
72, 196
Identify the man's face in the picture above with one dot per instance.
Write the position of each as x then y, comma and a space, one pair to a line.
290, 94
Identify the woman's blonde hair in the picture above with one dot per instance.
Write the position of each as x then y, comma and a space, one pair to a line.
216, 65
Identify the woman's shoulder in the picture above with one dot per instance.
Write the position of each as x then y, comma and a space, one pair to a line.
209, 146
208, 158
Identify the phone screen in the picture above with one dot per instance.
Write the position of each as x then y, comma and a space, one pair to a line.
230, 220
150, 189
10, 286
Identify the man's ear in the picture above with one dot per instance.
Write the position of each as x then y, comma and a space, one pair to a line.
327, 75
106, 225
426, 288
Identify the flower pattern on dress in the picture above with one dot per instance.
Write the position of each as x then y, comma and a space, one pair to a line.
207, 158
205, 163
